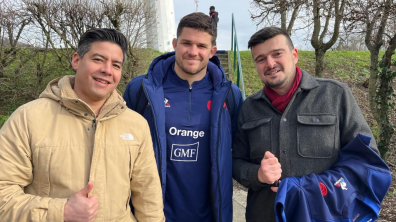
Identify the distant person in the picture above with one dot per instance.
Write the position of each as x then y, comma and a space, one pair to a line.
192, 111
78, 153
295, 125
214, 15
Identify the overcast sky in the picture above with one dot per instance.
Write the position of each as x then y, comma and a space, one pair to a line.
244, 25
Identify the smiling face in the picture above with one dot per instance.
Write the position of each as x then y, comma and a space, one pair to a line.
193, 49
275, 63
98, 72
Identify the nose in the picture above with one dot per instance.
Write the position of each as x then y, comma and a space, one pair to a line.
193, 50
106, 68
270, 62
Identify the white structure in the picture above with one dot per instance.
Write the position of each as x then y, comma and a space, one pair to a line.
196, 5
161, 35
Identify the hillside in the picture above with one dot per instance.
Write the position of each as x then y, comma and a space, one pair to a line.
350, 67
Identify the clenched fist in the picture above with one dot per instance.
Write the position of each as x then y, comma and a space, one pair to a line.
270, 169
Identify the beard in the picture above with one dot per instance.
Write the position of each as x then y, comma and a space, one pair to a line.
274, 84
189, 71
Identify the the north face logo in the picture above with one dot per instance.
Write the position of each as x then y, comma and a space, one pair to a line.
126, 136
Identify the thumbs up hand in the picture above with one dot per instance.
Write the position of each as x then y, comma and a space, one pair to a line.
79, 207
270, 169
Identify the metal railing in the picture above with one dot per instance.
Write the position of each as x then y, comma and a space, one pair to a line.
237, 62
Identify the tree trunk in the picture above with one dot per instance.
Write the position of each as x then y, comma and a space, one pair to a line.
319, 64
373, 82
384, 100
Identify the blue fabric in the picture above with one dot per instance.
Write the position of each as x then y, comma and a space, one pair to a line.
351, 190
222, 127
188, 151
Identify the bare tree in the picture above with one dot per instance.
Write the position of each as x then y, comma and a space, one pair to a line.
377, 19
269, 11
332, 12
64, 21
133, 18
13, 21
372, 15
350, 39
384, 96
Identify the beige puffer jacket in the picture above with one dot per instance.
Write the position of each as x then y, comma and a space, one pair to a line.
51, 147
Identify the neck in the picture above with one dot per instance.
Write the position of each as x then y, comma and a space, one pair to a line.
96, 107
190, 78
283, 91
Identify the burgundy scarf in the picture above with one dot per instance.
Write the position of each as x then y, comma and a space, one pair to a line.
280, 101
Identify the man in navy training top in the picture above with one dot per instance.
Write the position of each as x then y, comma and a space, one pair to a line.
183, 97
295, 125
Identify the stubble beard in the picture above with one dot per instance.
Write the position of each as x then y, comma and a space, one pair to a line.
278, 82
189, 72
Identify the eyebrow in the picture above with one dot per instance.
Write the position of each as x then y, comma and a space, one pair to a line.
274, 50
189, 41
104, 57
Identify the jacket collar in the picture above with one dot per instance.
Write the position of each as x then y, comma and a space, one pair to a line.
308, 82
61, 90
161, 65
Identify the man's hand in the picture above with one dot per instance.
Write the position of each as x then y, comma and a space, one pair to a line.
270, 169
79, 207
275, 189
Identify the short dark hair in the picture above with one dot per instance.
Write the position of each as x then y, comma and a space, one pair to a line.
212, 8
102, 35
264, 34
200, 21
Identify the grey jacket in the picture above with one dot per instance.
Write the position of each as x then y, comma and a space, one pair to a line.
321, 118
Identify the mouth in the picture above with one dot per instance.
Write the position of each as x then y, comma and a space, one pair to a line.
101, 81
192, 58
272, 72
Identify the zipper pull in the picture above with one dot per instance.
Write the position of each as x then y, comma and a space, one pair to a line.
93, 123
190, 88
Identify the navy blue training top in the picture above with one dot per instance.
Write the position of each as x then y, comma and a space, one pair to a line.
187, 125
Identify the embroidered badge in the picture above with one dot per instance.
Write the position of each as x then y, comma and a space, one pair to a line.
323, 189
127, 136
341, 183
166, 101
209, 105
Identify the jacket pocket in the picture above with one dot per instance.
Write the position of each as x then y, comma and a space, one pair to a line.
316, 135
259, 136
41, 169
133, 154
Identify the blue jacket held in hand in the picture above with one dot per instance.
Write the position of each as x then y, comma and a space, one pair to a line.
351, 190
145, 95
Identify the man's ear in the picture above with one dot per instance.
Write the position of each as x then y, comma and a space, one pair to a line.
75, 61
174, 43
295, 55
213, 51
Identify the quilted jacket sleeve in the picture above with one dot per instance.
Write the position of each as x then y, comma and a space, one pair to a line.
16, 173
133, 92
145, 184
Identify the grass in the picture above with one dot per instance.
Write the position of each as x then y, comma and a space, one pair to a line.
338, 64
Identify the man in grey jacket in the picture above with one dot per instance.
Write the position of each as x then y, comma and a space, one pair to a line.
295, 125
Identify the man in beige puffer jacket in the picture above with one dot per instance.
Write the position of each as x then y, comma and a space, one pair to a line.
77, 153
